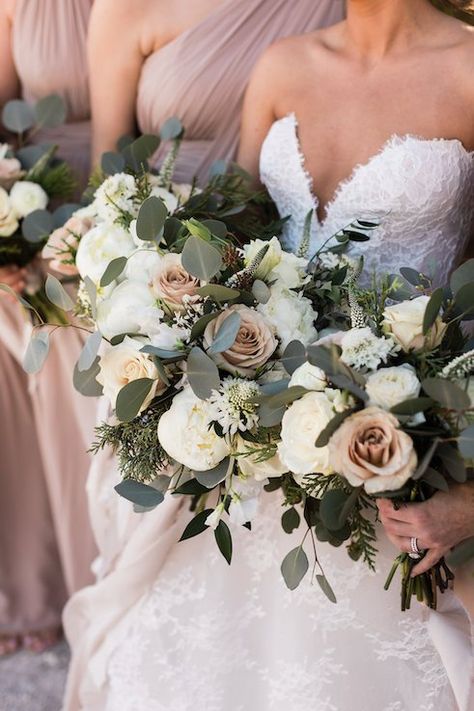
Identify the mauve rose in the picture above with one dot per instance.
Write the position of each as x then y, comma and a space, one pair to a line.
369, 449
63, 242
10, 172
171, 282
253, 346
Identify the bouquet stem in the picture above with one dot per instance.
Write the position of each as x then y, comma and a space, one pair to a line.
425, 586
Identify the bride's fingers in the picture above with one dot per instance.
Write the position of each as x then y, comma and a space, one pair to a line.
431, 558
398, 528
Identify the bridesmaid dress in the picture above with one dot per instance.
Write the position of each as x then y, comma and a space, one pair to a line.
49, 49
200, 76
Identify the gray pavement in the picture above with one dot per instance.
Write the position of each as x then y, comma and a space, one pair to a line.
33, 682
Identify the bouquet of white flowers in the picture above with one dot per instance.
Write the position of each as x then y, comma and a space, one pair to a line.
386, 411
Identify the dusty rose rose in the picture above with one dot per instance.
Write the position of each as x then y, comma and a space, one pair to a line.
171, 282
63, 242
10, 172
253, 346
370, 450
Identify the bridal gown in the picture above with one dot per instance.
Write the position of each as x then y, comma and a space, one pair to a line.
207, 637
48, 46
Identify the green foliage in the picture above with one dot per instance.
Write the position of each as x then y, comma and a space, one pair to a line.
140, 456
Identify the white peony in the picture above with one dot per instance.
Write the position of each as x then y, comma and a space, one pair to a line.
116, 195
404, 321
99, 247
185, 435
8, 220
123, 364
361, 348
291, 315
170, 200
26, 197
310, 377
165, 336
302, 424
126, 310
141, 264
388, 387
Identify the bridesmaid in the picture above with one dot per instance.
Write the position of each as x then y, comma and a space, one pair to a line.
44, 52
153, 60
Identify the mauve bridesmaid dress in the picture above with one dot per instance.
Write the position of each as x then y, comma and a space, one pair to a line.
49, 49
201, 77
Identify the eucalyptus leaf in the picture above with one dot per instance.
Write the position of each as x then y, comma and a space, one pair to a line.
213, 477
227, 333
162, 353
462, 275
172, 231
138, 152
412, 276
113, 271
274, 387
466, 443
29, 156
171, 129
219, 167
435, 479
18, 116
464, 301
198, 229
112, 163
36, 353
192, 488
294, 567
151, 219
85, 382
131, 398
446, 393
335, 507
290, 520
201, 259
426, 460
139, 494
332, 427
294, 356
57, 294
89, 351
286, 397
412, 406
261, 291
63, 213
432, 309
197, 525
218, 292
453, 462
202, 373
37, 226
216, 227
326, 588
270, 416
50, 111
223, 538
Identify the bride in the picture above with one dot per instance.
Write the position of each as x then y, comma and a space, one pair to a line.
390, 91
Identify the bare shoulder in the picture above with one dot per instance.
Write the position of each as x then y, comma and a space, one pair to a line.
457, 41
144, 23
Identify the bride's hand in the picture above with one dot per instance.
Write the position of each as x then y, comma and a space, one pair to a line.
438, 524
14, 277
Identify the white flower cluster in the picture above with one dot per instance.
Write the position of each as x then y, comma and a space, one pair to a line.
233, 406
361, 348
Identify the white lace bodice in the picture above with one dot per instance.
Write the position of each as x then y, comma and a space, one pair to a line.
422, 189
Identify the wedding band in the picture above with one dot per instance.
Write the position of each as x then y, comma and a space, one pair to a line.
415, 551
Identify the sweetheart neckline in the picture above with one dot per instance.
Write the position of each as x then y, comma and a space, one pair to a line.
359, 167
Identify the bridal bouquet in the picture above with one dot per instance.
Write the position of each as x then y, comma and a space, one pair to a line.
31, 177
387, 410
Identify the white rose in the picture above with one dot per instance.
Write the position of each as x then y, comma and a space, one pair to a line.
116, 194
270, 260
123, 364
126, 310
404, 321
310, 377
8, 221
26, 197
99, 247
167, 337
388, 387
185, 435
290, 271
291, 315
250, 466
170, 200
302, 424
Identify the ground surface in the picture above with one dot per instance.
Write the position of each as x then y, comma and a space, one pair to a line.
30, 682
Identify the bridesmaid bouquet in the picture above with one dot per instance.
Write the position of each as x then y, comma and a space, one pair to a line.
31, 178
386, 410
